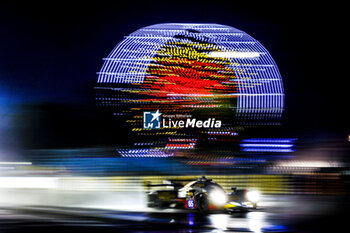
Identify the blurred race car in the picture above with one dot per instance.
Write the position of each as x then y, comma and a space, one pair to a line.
201, 194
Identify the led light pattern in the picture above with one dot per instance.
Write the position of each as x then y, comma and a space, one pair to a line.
143, 153
202, 70
182, 60
270, 140
283, 145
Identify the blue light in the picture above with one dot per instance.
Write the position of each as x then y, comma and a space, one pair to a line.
270, 140
267, 150
144, 153
275, 228
268, 145
190, 220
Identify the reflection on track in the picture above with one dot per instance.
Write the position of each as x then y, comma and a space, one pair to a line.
276, 214
252, 221
185, 221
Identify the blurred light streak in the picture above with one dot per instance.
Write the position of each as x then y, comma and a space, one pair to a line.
219, 221
29, 182
301, 163
15, 163
267, 150
268, 145
234, 54
256, 221
143, 153
300, 183
270, 140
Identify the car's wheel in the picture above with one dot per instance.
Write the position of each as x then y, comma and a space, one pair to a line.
203, 203
155, 202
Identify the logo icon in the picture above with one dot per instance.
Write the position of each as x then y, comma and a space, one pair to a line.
151, 120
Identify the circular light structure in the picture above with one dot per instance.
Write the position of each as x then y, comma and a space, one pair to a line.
202, 70
216, 56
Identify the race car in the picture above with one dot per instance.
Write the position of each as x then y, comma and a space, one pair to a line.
201, 194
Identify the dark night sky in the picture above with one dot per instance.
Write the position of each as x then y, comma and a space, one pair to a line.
51, 53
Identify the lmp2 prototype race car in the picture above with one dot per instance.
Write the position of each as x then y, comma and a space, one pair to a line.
201, 194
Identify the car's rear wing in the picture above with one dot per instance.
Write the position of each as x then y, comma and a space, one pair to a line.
180, 180
174, 185
156, 185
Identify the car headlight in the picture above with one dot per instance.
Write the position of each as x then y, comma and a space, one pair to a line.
218, 197
253, 196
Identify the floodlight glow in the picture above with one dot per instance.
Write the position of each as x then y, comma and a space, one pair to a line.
234, 54
218, 197
253, 196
